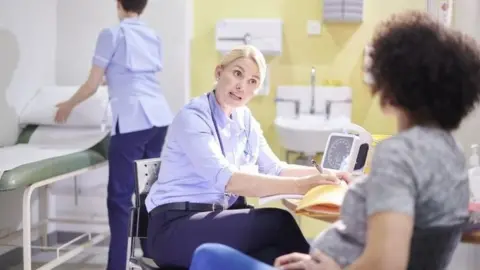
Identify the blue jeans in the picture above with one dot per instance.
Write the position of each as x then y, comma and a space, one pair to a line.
220, 257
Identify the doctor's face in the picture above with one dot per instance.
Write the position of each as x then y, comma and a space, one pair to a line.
237, 82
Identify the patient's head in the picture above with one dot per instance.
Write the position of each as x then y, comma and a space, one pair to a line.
239, 76
425, 73
129, 8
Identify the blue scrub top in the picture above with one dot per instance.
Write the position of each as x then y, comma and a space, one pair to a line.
131, 55
193, 167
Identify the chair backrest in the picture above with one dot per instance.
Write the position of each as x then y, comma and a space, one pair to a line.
146, 173
432, 248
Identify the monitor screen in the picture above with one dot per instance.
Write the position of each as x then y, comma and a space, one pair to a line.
337, 153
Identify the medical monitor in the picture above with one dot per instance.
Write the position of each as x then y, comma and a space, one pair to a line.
341, 152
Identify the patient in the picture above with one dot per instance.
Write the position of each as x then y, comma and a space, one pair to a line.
427, 77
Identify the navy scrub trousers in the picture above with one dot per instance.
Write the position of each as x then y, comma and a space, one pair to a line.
264, 233
124, 149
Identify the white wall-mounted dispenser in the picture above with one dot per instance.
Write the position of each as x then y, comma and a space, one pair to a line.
343, 11
265, 34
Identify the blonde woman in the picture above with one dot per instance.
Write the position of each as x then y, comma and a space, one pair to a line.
214, 155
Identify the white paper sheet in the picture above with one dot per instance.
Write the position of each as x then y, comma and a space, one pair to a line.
67, 137
19, 154
50, 140
267, 199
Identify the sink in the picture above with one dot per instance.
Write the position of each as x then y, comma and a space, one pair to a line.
308, 134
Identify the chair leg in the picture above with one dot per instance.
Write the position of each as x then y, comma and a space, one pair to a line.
129, 253
131, 238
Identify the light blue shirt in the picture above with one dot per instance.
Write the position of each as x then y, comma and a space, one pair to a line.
131, 55
193, 167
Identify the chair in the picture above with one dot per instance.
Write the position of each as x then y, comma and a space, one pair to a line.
432, 248
146, 171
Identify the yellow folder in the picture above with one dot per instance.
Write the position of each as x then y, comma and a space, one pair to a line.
322, 200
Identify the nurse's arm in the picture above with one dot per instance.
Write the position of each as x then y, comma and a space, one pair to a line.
89, 87
269, 163
201, 147
104, 49
298, 170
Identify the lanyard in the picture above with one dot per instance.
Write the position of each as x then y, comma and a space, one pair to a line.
218, 133
215, 125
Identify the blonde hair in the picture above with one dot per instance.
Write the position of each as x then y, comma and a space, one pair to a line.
247, 51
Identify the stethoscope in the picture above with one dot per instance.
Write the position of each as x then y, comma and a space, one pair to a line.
220, 142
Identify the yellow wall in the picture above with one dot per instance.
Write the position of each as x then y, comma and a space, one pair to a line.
337, 54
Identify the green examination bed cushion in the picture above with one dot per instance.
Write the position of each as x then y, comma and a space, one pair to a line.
31, 173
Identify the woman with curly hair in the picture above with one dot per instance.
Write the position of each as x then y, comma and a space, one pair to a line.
428, 77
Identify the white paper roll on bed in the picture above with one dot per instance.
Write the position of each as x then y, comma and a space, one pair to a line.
81, 131
41, 109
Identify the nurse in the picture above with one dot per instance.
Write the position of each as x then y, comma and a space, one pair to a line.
129, 55
215, 154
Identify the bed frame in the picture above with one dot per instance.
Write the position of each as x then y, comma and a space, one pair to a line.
27, 225
63, 252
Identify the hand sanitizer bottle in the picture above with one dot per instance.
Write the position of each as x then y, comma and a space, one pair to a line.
474, 174
474, 160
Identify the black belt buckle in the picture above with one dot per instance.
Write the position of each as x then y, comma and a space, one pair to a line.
215, 207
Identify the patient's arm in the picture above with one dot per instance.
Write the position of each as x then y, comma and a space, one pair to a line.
388, 242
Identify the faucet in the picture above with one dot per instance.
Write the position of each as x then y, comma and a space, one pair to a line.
328, 106
294, 101
313, 79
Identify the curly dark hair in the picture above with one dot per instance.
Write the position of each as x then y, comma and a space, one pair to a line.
429, 71
136, 6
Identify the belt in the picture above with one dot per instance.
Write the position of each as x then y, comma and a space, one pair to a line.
186, 206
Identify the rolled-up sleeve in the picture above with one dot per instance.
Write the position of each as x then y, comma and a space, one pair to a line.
268, 162
197, 141
104, 48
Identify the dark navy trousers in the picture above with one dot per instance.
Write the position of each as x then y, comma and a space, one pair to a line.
264, 234
124, 149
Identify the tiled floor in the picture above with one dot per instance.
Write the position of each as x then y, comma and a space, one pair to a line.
65, 267
466, 257
94, 258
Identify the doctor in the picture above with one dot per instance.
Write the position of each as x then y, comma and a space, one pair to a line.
214, 155
129, 55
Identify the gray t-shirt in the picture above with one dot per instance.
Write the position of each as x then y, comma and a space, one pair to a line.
420, 172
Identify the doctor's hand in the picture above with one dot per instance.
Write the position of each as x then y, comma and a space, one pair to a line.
63, 111
345, 176
299, 261
304, 184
